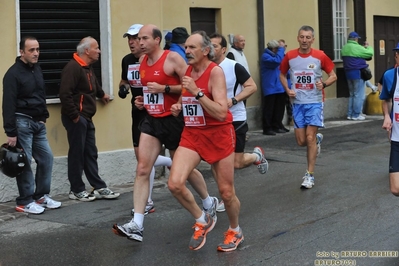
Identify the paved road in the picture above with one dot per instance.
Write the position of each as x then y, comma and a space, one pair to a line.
348, 215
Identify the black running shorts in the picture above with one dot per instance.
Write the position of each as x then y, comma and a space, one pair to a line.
241, 129
167, 129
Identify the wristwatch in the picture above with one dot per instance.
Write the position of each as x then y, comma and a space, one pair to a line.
167, 89
199, 95
234, 101
324, 85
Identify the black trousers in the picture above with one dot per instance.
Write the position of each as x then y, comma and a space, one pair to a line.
82, 154
273, 111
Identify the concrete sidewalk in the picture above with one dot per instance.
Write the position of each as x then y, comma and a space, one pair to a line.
8, 212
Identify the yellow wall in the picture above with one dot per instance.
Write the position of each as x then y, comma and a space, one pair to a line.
113, 122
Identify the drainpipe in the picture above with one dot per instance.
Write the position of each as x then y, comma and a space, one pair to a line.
261, 27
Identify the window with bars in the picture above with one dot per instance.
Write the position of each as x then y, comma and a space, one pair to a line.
340, 27
59, 25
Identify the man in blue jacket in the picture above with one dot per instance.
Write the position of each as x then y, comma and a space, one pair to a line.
273, 91
179, 37
354, 57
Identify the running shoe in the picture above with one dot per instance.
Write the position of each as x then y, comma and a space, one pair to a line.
212, 210
130, 230
308, 181
104, 193
82, 196
232, 240
149, 208
319, 139
359, 118
262, 163
32, 207
48, 202
220, 207
198, 239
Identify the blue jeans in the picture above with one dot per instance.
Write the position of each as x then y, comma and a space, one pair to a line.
31, 137
356, 97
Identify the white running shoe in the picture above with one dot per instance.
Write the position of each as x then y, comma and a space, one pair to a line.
130, 230
359, 118
32, 207
212, 210
48, 202
308, 181
82, 196
262, 163
104, 193
149, 208
220, 207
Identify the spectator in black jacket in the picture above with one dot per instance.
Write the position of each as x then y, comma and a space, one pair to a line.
24, 116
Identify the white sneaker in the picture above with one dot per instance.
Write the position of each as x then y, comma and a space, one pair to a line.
48, 202
359, 118
149, 208
82, 196
349, 117
130, 230
220, 207
262, 163
32, 207
319, 138
212, 210
104, 193
308, 181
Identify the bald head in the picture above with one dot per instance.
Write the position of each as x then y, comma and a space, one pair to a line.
151, 30
239, 41
150, 38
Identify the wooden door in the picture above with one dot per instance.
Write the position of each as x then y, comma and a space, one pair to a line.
386, 38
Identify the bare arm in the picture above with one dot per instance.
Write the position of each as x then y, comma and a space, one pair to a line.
284, 82
249, 88
330, 80
174, 65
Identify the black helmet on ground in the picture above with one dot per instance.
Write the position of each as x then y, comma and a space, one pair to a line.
12, 160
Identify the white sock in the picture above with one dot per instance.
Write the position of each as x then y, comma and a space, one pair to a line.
237, 229
201, 220
257, 157
152, 176
207, 202
138, 219
163, 160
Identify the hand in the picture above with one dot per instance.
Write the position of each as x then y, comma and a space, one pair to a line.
291, 93
387, 125
105, 99
229, 103
12, 141
139, 102
319, 85
154, 87
189, 84
175, 109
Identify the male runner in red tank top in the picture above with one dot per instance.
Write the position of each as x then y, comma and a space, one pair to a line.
160, 73
208, 135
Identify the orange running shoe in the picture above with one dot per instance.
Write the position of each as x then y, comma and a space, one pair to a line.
200, 231
231, 240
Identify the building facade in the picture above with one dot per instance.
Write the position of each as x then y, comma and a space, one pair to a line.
59, 25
